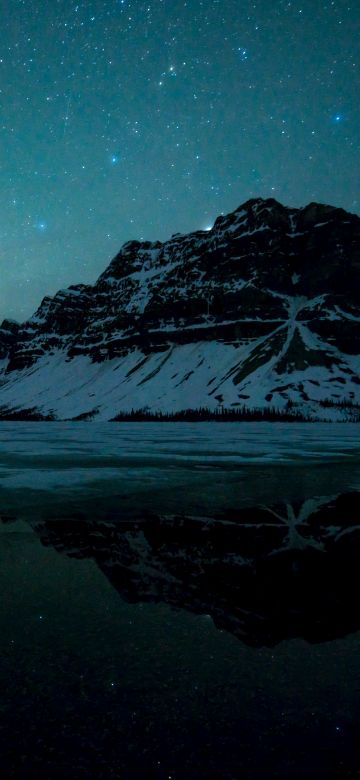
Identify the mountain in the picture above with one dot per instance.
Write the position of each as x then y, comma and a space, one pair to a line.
264, 574
261, 311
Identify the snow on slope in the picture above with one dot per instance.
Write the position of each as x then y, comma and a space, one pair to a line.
262, 310
184, 376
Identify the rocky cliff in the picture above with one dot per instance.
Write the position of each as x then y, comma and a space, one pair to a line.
263, 310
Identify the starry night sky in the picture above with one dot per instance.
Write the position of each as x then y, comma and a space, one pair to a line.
126, 119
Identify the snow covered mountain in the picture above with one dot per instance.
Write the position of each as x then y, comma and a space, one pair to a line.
263, 310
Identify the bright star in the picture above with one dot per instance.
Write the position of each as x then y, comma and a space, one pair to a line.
243, 53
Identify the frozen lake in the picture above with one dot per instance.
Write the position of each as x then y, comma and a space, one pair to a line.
179, 601
192, 467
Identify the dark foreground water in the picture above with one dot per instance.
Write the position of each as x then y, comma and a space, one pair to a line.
180, 601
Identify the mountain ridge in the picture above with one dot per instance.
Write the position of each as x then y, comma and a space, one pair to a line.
262, 311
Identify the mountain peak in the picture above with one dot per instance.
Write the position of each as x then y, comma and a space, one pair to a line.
254, 204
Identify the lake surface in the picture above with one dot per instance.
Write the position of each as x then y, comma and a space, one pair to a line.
180, 600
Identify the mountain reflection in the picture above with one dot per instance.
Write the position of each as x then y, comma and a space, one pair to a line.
263, 573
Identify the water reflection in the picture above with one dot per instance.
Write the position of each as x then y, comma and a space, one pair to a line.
175, 620
263, 573
97, 685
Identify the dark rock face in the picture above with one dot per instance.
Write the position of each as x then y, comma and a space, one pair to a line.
284, 281
9, 330
262, 573
56, 322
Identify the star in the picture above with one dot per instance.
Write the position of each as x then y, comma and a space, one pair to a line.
243, 54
